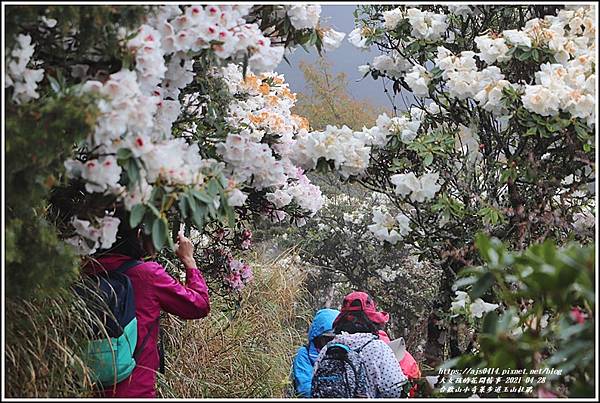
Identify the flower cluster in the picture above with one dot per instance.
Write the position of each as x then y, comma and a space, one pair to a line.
419, 189
260, 154
476, 308
221, 29
387, 228
394, 64
301, 191
571, 89
424, 24
569, 84
18, 75
347, 149
418, 80
403, 127
332, 39
464, 81
240, 274
138, 108
359, 36
304, 16
90, 237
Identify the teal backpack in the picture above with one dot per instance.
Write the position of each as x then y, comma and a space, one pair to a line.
111, 350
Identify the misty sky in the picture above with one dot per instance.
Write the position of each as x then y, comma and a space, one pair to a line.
345, 59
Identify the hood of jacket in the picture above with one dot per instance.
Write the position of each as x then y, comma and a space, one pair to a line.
322, 322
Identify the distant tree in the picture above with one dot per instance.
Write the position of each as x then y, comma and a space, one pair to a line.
328, 101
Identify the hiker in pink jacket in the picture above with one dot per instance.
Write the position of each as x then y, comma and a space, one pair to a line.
155, 290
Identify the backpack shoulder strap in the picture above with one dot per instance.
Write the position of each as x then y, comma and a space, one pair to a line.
358, 350
137, 351
127, 265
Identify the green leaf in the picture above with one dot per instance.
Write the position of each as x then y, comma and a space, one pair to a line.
198, 217
490, 322
212, 189
523, 56
482, 285
136, 215
133, 172
124, 153
202, 196
153, 209
428, 160
183, 205
54, 84
160, 232
531, 131
170, 242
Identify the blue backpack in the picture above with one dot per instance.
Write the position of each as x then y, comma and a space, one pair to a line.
111, 351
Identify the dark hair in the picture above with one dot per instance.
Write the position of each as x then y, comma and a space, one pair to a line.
129, 240
356, 322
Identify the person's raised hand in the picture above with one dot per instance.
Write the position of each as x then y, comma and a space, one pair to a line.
185, 250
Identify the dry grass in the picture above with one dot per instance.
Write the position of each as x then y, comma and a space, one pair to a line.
247, 355
43, 340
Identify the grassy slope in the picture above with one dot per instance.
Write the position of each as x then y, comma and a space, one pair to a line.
247, 355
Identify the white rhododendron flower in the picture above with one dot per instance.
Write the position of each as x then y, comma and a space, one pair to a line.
479, 307
356, 38
418, 80
516, 37
23, 79
236, 198
90, 237
109, 228
460, 301
279, 198
332, 39
304, 16
137, 193
101, 174
405, 183
403, 224
491, 50
401, 126
467, 143
383, 227
426, 24
394, 64
428, 187
392, 18
306, 195
419, 189
347, 149
541, 100
150, 62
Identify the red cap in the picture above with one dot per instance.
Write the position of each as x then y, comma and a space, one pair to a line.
365, 304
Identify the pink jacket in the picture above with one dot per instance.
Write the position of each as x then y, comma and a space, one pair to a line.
155, 290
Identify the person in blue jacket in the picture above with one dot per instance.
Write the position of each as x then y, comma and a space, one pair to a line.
320, 332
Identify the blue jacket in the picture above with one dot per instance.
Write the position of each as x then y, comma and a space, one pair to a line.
305, 357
